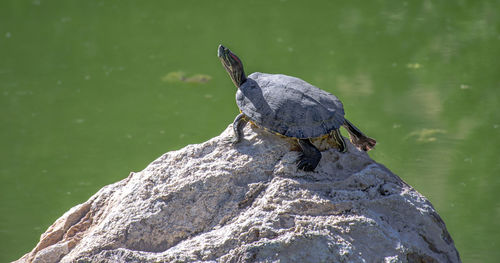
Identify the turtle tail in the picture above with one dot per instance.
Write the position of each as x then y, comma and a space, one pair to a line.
358, 138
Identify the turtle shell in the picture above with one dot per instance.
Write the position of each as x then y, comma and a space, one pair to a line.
289, 106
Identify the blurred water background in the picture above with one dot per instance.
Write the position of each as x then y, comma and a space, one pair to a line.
91, 90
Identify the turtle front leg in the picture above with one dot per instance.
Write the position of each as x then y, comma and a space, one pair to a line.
238, 124
310, 156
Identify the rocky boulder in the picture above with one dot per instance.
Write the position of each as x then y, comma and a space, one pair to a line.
218, 202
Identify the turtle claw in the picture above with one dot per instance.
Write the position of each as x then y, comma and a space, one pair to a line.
234, 140
306, 164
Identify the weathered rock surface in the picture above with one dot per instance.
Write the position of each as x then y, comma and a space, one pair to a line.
248, 203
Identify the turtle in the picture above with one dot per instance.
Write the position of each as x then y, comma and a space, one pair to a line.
290, 107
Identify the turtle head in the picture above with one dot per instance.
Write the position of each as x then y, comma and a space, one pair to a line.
232, 64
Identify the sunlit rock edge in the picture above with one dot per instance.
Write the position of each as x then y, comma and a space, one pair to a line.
248, 203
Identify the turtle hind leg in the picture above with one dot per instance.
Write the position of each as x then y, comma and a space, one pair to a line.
238, 124
335, 134
309, 157
358, 138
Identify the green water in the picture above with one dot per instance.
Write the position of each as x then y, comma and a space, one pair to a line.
91, 90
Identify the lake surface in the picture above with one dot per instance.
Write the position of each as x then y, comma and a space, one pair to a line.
91, 90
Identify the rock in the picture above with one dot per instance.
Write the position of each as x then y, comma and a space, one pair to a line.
215, 202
